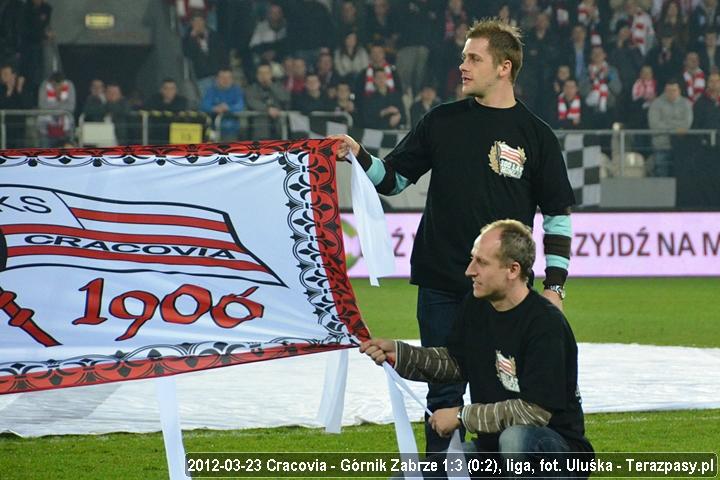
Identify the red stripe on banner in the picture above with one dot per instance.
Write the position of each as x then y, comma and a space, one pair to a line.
149, 218
133, 257
121, 237
148, 368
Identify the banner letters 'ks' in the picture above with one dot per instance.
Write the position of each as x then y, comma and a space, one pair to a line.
138, 262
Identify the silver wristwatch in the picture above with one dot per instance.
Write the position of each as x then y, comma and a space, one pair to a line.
559, 289
459, 414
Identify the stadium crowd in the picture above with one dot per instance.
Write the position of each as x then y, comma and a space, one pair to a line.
587, 64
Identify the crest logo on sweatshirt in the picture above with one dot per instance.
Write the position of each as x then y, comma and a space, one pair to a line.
507, 161
507, 371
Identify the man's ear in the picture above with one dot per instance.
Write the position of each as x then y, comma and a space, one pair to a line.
514, 271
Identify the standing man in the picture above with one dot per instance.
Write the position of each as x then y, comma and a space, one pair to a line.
515, 349
491, 158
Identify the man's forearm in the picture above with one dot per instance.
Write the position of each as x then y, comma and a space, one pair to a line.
434, 365
496, 417
386, 180
557, 242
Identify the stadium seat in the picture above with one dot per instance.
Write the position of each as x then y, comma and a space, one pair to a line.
98, 134
634, 165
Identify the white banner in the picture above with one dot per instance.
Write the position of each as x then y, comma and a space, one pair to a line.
139, 262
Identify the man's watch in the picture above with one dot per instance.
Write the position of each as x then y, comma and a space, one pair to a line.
559, 289
459, 414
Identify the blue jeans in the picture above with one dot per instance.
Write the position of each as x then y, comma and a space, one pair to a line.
525, 443
436, 312
663, 163
517, 444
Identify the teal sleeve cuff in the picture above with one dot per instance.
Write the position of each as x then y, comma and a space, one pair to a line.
557, 225
376, 172
401, 184
557, 261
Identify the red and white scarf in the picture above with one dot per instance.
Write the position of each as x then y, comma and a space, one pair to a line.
584, 17
370, 84
641, 30
644, 89
55, 95
569, 111
694, 84
598, 96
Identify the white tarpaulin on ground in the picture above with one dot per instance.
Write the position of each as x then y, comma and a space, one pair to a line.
613, 378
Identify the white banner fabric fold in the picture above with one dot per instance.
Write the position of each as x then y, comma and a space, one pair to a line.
403, 429
333, 398
372, 227
170, 423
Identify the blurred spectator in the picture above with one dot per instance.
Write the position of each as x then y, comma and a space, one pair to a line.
559, 11
349, 20
561, 76
626, 57
455, 14
382, 25
706, 111
35, 31
13, 96
167, 99
673, 20
378, 61
668, 111
269, 33
205, 51
641, 26
577, 56
295, 81
569, 107
383, 109
529, 10
313, 99
94, 107
269, 97
588, 15
310, 27
56, 93
224, 97
117, 110
644, 91
539, 59
710, 53
666, 59
351, 58
428, 99
345, 101
10, 30
693, 76
505, 15
450, 59
601, 90
187, 9
269, 55
325, 71
706, 16
420, 29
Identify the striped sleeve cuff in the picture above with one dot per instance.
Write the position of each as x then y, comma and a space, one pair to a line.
496, 417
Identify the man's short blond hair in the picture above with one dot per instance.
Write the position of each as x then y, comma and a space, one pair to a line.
516, 244
504, 42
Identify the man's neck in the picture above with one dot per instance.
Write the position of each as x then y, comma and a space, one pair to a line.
502, 96
512, 299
